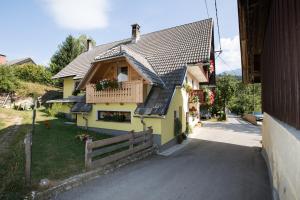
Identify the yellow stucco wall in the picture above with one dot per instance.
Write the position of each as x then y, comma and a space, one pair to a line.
68, 87
179, 99
135, 124
163, 126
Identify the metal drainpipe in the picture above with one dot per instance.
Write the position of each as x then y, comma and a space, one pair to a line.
143, 122
86, 121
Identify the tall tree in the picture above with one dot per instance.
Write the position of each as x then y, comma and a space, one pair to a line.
67, 52
226, 86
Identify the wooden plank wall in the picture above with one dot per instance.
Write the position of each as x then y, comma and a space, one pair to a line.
281, 62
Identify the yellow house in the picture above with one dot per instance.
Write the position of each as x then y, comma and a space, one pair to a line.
146, 80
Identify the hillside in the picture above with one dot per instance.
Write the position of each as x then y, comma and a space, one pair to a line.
234, 72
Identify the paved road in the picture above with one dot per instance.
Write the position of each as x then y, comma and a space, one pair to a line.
222, 161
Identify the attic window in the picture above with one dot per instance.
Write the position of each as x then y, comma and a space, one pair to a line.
122, 74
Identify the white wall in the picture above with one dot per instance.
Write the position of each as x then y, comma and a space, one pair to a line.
281, 144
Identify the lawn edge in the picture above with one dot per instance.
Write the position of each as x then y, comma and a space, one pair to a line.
79, 179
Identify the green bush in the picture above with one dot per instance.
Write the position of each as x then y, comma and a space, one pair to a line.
55, 110
8, 81
177, 127
189, 129
33, 73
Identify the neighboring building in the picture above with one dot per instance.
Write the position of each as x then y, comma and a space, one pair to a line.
21, 61
270, 40
2, 59
150, 74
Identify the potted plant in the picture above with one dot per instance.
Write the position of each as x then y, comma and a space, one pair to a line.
106, 84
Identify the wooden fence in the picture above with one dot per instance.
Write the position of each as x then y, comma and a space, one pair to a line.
101, 152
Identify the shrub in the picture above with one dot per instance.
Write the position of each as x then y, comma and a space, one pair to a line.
55, 110
189, 129
33, 73
8, 80
177, 127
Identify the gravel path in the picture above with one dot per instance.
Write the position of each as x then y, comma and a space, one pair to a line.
7, 137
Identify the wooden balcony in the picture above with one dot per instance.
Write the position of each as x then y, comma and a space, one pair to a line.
129, 92
200, 94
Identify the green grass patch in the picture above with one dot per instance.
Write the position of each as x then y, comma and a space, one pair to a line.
56, 153
12, 162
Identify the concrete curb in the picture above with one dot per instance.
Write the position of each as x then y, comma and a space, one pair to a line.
77, 180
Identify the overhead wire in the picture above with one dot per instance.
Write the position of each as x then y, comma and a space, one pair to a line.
206, 8
217, 18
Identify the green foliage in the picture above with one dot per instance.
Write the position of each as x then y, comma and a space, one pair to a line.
106, 84
177, 127
33, 73
225, 90
55, 110
8, 80
195, 99
189, 129
247, 99
188, 88
67, 52
238, 97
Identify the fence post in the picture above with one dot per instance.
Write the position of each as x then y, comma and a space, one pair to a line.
88, 151
131, 140
150, 134
27, 142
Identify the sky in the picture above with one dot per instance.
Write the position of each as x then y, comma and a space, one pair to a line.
35, 28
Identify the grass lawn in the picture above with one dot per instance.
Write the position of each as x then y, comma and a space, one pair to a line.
56, 153
12, 162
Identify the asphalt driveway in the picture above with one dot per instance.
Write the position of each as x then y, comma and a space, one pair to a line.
221, 161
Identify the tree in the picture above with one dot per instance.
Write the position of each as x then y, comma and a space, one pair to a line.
8, 80
83, 41
247, 98
67, 52
226, 86
33, 73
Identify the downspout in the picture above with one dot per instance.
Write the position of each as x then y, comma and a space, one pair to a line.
143, 122
86, 121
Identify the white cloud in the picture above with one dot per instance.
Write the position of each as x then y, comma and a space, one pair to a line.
79, 14
231, 55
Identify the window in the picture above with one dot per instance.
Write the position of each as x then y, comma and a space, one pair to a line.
114, 116
122, 74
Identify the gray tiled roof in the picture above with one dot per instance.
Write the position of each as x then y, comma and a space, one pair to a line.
81, 107
139, 62
20, 61
167, 52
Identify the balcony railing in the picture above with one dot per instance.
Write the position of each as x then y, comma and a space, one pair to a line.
129, 92
200, 94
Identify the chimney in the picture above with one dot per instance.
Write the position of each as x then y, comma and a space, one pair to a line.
2, 59
89, 44
135, 34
